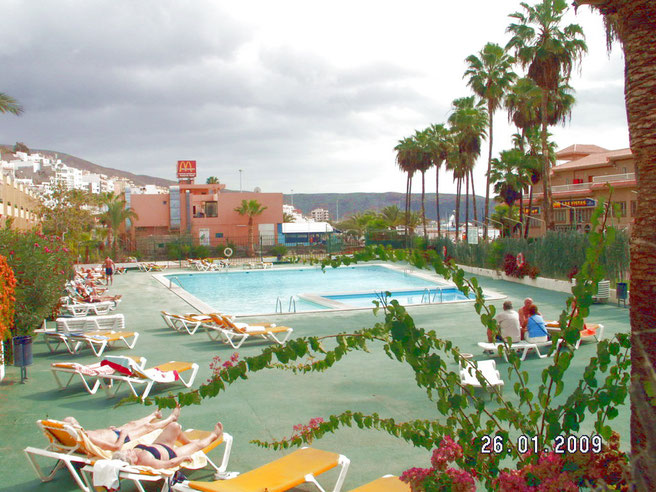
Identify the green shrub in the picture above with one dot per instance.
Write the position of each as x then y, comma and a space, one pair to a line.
42, 265
279, 250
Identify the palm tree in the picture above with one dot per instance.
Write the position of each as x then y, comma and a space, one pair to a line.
406, 160
550, 53
9, 105
439, 144
490, 75
508, 179
288, 217
392, 216
250, 208
506, 217
424, 163
454, 163
468, 122
114, 216
212, 180
633, 22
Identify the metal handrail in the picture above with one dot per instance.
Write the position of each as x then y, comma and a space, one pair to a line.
278, 303
292, 302
441, 294
425, 296
171, 283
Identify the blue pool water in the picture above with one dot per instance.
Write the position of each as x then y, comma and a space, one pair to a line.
270, 291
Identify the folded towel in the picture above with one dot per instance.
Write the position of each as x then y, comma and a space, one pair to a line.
105, 473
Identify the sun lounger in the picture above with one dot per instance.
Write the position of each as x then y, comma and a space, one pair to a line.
67, 327
185, 322
388, 483
592, 331
80, 309
90, 374
301, 466
135, 376
523, 346
489, 372
70, 447
223, 328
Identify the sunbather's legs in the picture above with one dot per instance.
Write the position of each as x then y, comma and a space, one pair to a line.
173, 432
140, 428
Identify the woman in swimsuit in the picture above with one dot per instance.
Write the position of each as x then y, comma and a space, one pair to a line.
113, 438
161, 454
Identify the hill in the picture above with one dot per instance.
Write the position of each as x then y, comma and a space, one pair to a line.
76, 162
349, 203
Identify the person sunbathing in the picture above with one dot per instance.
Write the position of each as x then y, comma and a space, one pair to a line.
90, 295
161, 454
113, 438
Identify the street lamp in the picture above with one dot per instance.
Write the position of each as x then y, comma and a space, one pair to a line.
240, 188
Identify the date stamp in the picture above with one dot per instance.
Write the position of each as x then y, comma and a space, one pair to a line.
562, 444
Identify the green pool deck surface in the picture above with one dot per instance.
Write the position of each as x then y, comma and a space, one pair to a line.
271, 402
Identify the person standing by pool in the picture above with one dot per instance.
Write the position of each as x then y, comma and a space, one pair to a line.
109, 266
535, 326
508, 323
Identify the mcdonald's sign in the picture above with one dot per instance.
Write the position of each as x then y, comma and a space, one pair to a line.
186, 169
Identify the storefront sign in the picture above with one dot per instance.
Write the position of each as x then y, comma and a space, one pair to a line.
534, 210
575, 203
186, 169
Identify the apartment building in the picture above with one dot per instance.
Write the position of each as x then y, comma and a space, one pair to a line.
18, 204
580, 180
320, 215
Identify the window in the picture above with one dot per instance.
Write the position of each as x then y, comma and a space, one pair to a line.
211, 209
560, 216
634, 208
583, 215
619, 209
218, 235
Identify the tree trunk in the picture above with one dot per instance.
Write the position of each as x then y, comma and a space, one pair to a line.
251, 247
466, 205
546, 166
407, 215
423, 209
473, 195
528, 218
407, 206
458, 192
637, 30
487, 180
437, 199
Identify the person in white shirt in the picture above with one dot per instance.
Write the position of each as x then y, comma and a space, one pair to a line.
508, 323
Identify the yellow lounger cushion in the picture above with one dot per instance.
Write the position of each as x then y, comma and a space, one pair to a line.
111, 336
174, 366
385, 484
278, 476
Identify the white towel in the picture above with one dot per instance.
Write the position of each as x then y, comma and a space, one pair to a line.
105, 473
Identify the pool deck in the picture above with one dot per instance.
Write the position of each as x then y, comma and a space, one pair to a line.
269, 404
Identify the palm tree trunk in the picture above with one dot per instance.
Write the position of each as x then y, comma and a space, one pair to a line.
466, 205
423, 210
521, 213
437, 200
489, 168
407, 213
458, 193
546, 167
528, 218
251, 247
473, 195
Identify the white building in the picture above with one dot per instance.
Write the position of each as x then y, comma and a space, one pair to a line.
320, 215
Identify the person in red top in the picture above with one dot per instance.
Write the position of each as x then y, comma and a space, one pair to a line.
524, 314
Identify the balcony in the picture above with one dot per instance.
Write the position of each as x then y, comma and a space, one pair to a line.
571, 187
613, 178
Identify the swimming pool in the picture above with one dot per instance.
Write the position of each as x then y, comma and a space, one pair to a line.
311, 289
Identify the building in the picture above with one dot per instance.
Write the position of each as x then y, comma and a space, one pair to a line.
304, 233
18, 204
580, 181
320, 215
205, 212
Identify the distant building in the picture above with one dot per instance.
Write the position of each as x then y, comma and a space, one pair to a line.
304, 233
320, 215
18, 204
579, 183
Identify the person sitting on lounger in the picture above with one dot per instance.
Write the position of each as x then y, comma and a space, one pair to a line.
161, 453
112, 439
508, 323
536, 330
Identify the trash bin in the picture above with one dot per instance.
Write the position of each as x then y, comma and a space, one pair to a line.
22, 351
621, 291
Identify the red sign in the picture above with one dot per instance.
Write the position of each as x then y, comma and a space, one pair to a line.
186, 169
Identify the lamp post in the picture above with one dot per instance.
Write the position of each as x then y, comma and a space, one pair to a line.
240, 188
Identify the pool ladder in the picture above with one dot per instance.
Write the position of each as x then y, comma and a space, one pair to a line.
292, 305
426, 296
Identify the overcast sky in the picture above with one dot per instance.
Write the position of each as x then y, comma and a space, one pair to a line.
302, 95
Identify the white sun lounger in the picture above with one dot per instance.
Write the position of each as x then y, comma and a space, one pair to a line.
90, 374
79, 309
489, 372
592, 331
223, 328
185, 322
523, 346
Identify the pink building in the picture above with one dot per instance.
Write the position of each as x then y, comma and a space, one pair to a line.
204, 211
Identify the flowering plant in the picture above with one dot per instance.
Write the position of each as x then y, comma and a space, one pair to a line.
7, 299
216, 366
41, 265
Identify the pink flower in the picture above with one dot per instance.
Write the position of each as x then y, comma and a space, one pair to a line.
36, 245
47, 250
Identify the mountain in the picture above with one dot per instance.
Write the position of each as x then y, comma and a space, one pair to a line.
349, 203
76, 162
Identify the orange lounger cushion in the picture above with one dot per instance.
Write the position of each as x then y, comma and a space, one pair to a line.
278, 476
385, 484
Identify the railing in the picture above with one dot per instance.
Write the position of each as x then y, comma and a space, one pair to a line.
292, 304
425, 296
439, 289
570, 187
171, 282
614, 178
